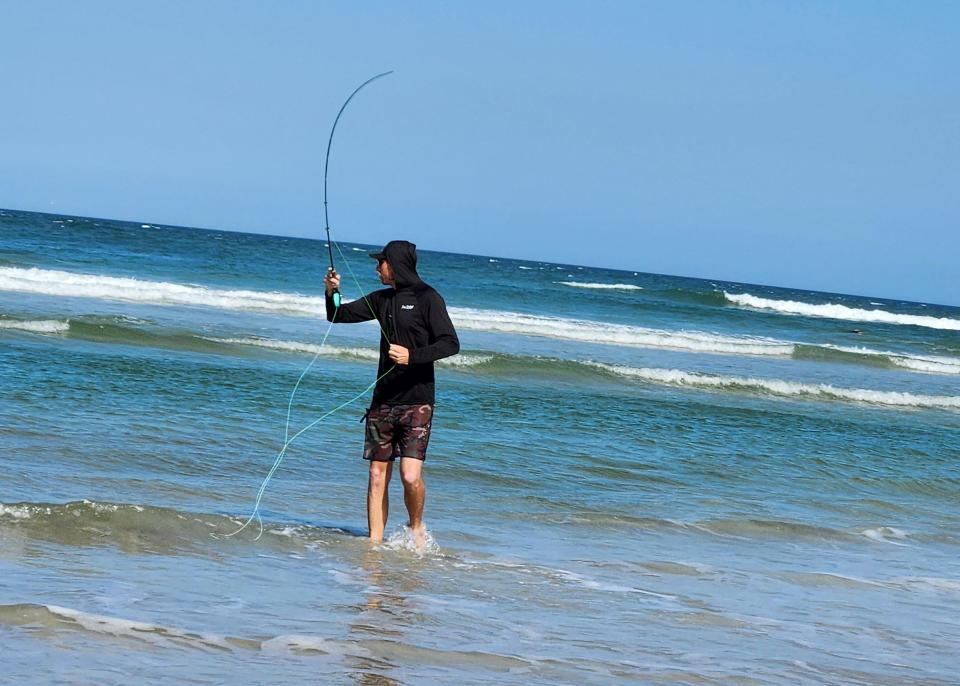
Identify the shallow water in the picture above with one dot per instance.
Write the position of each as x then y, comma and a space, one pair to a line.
666, 482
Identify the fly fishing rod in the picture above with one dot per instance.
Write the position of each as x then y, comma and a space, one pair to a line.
326, 167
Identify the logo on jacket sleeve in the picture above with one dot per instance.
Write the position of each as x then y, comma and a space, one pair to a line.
406, 307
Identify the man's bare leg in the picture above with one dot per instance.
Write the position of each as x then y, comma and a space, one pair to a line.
378, 499
414, 495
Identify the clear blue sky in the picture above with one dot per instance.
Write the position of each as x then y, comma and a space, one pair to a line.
807, 144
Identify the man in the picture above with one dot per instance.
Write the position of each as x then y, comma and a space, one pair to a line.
416, 331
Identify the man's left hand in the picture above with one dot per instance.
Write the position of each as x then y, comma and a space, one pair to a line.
399, 354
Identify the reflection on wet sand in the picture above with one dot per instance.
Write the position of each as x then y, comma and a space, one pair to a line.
386, 613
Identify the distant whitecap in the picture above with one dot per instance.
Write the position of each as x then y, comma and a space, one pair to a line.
833, 311
603, 286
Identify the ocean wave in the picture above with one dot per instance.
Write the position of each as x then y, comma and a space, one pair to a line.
58, 618
52, 326
615, 334
927, 583
933, 364
884, 534
520, 364
148, 528
928, 364
458, 360
832, 579
75, 285
779, 387
45, 619
603, 286
832, 311
768, 528
68, 284
300, 347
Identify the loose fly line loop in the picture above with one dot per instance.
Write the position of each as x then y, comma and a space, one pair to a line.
287, 438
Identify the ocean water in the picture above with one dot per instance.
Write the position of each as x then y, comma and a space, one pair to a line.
633, 478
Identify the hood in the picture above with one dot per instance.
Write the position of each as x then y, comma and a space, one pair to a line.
402, 256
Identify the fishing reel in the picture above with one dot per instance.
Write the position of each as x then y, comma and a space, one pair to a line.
336, 291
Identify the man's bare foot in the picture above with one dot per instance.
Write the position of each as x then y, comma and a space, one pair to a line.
419, 535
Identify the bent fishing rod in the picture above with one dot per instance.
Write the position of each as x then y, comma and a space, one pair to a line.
326, 168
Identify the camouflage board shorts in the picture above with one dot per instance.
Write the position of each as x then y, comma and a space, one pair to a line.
397, 431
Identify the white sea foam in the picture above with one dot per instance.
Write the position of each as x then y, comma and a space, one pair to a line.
616, 334
70, 284
36, 326
603, 286
676, 377
595, 585
465, 360
300, 347
458, 360
286, 532
345, 579
16, 511
884, 534
67, 284
933, 364
311, 644
143, 631
842, 312
403, 539
930, 583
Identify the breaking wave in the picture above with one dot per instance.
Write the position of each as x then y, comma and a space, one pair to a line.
49, 618
603, 286
459, 360
74, 285
514, 364
615, 334
36, 326
932, 364
779, 387
68, 284
842, 312
146, 528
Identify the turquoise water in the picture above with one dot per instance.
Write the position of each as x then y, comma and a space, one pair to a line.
634, 478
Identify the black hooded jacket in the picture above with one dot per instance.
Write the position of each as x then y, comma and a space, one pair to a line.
413, 315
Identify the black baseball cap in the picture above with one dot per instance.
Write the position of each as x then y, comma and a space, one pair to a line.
382, 255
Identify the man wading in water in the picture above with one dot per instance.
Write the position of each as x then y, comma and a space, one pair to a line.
415, 318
